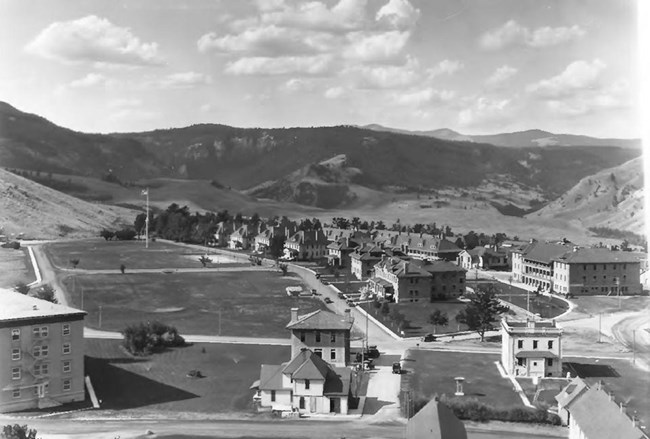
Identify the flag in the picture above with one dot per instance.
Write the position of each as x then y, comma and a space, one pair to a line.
145, 191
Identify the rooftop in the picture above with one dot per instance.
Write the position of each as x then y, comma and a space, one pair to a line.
16, 306
320, 319
598, 255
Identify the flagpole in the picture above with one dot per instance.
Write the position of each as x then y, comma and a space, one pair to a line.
146, 223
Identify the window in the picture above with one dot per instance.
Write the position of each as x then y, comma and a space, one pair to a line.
549, 362
67, 366
15, 373
520, 344
15, 354
15, 334
594, 266
67, 348
550, 344
44, 351
15, 393
67, 385
535, 344
521, 361
333, 354
307, 384
66, 329
317, 336
272, 395
333, 337
302, 336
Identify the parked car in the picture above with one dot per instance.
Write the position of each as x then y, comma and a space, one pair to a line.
397, 368
351, 303
328, 300
372, 352
341, 295
324, 282
368, 364
429, 337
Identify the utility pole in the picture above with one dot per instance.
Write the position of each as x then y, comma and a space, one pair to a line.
634, 346
82, 297
618, 291
219, 321
600, 316
146, 221
100, 316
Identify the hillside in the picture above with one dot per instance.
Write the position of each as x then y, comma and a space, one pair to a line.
611, 198
43, 213
519, 139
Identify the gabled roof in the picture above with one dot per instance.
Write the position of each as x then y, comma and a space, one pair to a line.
598, 256
16, 306
306, 366
435, 421
308, 237
566, 397
337, 382
271, 377
321, 320
544, 252
438, 266
601, 418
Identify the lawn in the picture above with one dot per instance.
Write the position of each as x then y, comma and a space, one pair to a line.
432, 373
98, 254
609, 304
252, 303
159, 382
15, 266
547, 306
417, 314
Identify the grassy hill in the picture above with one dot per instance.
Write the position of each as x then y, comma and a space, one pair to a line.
44, 213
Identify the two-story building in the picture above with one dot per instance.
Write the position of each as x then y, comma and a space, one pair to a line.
340, 250
363, 260
222, 234
42, 360
306, 245
263, 239
244, 237
596, 271
486, 258
424, 246
531, 348
533, 265
414, 280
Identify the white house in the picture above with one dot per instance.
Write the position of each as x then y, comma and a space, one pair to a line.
531, 348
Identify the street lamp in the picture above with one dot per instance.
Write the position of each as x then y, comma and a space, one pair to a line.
146, 221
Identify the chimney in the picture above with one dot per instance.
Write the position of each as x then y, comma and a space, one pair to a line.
611, 396
348, 315
294, 315
622, 408
633, 421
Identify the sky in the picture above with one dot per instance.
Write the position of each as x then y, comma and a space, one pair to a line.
475, 66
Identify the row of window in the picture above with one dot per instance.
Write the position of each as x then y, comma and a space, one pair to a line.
67, 386
522, 362
317, 336
520, 344
584, 267
40, 351
40, 332
41, 369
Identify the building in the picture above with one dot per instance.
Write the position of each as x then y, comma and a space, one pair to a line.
42, 361
486, 258
262, 241
222, 234
531, 348
244, 237
435, 421
414, 280
592, 413
596, 271
339, 251
306, 245
424, 246
324, 333
306, 384
363, 260
533, 265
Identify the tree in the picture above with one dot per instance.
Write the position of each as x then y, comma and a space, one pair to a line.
385, 309
18, 432
276, 246
107, 234
74, 262
205, 260
438, 318
46, 292
483, 310
122, 268
22, 288
284, 268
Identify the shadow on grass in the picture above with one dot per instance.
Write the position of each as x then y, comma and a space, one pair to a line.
373, 404
118, 388
584, 370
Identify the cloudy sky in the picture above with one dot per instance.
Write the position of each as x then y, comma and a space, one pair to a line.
475, 66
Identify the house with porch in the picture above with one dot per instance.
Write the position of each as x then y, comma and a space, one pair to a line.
222, 234
263, 239
339, 251
531, 348
363, 259
533, 265
244, 237
485, 258
306, 245
42, 361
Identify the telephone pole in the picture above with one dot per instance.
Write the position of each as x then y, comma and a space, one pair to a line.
146, 221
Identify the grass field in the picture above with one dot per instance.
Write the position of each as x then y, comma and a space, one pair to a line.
15, 266
98, 254
417, 315
432, 373
593, 305
547, 306
159, 382
252, 303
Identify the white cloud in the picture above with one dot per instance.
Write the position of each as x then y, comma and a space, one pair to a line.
184, 80
579, 75
615, 96
93, 39
294, 85
317, 16
513, 33
284, 65
386, 76
548, 36
399, 14
90, 80
334, 92
485, 110
425, 96
122, 103
376, 47
445, 66
501, 75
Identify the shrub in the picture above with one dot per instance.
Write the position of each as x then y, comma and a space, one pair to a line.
147, 338
477, 411
17, 432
